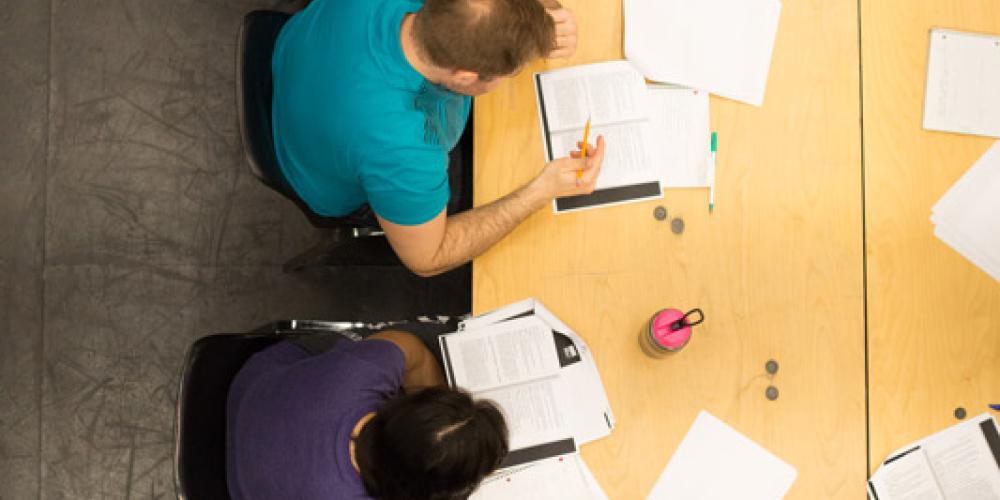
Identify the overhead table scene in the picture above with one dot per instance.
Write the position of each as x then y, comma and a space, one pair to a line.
777, 268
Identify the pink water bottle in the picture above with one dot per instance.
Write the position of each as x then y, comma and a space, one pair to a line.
669, 330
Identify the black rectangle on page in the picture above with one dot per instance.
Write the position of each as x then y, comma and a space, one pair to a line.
609, 195
539, 452
545, 118
989, 428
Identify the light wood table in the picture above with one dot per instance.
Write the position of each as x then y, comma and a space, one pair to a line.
778, 268
933, 318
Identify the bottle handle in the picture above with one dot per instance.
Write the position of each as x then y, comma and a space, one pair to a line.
683, 321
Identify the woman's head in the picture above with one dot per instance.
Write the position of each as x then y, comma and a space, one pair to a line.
436, 444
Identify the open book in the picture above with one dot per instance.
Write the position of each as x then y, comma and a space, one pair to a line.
514, 364
545, 381
613, 95
580, 395
961, 462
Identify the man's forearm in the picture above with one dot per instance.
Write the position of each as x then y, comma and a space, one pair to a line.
469, 234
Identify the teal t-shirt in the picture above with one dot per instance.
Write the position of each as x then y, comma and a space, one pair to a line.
353, 121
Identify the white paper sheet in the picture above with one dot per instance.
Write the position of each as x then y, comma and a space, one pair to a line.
715, 462
967, 217
722, 46
557, 478
963, 78
681, 135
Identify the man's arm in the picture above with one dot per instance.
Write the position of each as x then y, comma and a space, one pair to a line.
444, 243
422, 369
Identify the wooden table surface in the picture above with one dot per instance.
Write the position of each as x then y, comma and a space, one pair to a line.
933, 318
779, 268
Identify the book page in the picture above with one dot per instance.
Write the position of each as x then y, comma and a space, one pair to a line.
532, 413
508, 353
907, 477
626, 158
963, 464
610, 92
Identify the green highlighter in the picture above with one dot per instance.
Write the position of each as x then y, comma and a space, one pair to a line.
711, 173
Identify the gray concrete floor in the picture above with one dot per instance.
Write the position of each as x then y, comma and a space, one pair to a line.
129, 226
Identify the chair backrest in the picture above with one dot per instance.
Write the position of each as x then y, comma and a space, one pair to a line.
200, 435
254, 91
210, 366
254, 47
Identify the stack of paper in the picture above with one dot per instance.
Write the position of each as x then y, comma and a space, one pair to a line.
958, 463
545, 380
714, 462
722, 46
967, 217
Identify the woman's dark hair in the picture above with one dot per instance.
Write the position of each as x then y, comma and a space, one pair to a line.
436, 444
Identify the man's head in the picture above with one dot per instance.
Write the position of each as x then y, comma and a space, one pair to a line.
480, 42
436, 444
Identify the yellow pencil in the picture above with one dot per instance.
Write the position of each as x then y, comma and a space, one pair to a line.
583, 150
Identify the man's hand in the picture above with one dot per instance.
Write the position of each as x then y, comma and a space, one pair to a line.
444, 242
565, 32
559, 177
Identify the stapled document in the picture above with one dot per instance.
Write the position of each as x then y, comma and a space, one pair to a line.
963, 78
681, 134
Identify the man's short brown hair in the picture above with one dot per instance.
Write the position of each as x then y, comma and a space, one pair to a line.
489, 37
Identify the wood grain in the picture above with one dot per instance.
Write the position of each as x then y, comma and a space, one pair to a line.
778, 267
934, 318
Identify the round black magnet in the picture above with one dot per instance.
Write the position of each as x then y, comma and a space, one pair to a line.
660, 213
771, 393
960, 413
677, 225
771, 366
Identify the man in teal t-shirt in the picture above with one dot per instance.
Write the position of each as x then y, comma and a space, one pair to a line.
371, 95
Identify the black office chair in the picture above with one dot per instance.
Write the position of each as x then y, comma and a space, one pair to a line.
212, 363
347, 240
210, 366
